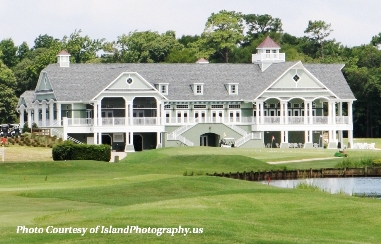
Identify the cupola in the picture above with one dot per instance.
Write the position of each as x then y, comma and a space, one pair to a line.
267, 54
63, 59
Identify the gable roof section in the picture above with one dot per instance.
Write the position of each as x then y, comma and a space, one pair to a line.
81, 82
332, 77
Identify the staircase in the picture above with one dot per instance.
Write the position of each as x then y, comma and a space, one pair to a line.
176, 135
245, 136
60, 134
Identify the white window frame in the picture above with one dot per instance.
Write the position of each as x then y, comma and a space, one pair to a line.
195, 89
163, 88
231, 91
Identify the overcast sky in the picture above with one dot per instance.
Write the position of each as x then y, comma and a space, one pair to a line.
354, 22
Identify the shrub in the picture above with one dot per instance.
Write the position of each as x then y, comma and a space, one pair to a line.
68, 150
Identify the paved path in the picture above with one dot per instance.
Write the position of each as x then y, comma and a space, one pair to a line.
301, 160
120, 154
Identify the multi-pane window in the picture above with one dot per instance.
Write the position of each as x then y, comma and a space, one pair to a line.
217, 106
198, 89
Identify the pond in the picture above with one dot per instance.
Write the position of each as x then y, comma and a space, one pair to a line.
367, 186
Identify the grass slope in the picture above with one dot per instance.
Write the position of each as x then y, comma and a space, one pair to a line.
148, 189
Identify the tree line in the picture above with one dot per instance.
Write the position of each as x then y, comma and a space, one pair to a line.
228, 37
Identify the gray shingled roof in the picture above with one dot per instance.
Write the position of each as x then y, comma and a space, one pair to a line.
332, 77
28, 98
85, 81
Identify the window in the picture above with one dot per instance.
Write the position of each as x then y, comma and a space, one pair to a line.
182, 106
167, 106
234, 106
163, 88
233, 89
118, 137
199, 106
217, 106
296, 78
198, 89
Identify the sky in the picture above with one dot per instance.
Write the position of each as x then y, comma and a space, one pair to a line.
354, 22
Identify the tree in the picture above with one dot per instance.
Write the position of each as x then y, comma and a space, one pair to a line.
82, 48
261, 25
23, 51
146, 46
44, 41
223, 32
318, 30
8, 99
9, 51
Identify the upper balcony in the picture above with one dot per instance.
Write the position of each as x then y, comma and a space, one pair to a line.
251, 120
268, 57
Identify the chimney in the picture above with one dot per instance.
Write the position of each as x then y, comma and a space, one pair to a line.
63, 59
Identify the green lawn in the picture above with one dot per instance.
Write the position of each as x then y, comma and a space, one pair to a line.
148, 189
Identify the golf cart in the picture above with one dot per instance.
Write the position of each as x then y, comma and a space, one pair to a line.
227, 142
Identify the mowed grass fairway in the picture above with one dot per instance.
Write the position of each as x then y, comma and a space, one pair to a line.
149, 189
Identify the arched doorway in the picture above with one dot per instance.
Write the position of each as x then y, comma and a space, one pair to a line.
209, 140
106, 139
138, 142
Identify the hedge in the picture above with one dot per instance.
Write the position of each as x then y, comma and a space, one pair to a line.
68, 150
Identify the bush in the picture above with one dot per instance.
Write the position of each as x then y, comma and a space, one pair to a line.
68, 150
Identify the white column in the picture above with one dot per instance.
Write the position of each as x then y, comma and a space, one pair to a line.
333, 115
131, 107
310, 114
350, 138
95, 111
51, 113
36, 115
58, 105
95, 138
100, 113
126, 112
43, 113
306, 112
158, 109
29, 111
286, 115
257, 113
350, 119
286, 136
262, 113
158, 139
282, 139
282, 112
306, 136
65, 125
100, 138
22, 115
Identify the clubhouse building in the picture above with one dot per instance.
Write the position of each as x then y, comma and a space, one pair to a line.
134, 107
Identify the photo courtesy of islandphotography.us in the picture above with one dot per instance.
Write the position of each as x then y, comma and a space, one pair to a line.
129, 229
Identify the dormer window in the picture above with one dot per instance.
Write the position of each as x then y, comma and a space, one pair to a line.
233, 88
198, 88
163, 88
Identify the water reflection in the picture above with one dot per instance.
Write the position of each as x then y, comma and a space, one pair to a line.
350, 186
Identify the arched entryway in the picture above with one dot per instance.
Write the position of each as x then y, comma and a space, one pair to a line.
209, 139
106, 139
138, 142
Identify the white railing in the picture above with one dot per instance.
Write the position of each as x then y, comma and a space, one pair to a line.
342, 120
79, 121
237, 129
114, 121
280, 57
320, 120
144, 121
185, 140
272, 120
173, 135
268, 120
296, 120
244, 139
